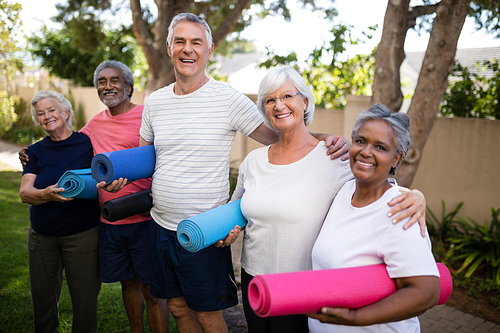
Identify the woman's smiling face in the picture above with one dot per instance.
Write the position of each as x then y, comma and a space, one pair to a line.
287, 109
50, 115
373, 151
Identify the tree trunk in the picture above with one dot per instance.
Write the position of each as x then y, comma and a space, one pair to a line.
161, 71
390, 55
432, 81
230, 21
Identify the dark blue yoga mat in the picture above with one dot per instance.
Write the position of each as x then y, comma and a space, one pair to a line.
134, 163
78, 184
126, 206
207, 228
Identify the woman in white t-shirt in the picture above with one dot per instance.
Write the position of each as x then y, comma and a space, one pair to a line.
286, 190
357, 232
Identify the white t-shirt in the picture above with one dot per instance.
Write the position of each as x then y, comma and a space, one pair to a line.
353, 236
285, 206
193, 135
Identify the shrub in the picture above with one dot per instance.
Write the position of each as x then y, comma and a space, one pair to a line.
474, 95
7, 113
478, 246
441, 229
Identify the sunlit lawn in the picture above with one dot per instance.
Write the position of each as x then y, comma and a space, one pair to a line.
15, 298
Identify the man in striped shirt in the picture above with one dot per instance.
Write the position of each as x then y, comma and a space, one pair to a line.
192, 124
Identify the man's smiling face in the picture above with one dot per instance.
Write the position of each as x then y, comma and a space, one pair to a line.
189, 50
112, 87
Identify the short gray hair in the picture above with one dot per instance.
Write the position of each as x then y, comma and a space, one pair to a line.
399, 122
274, 80
189, 17
127, 73
61, 100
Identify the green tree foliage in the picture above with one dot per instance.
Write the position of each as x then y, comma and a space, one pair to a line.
10, 22
473, 95
83, 31
84, 41
486, 14
330, 77
225, 17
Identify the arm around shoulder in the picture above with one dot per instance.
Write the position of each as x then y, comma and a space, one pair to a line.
264, 135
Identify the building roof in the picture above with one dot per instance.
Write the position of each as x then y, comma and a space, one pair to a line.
466, 57
237, 61
245, 75
243, 71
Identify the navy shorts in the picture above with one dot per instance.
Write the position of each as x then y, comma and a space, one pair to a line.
205, 278
124, 252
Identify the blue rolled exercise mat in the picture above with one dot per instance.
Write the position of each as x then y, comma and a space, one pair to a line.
133, 163
78, 184
126, 206
207, 228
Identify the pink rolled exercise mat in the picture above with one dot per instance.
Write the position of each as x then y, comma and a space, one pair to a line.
308, 291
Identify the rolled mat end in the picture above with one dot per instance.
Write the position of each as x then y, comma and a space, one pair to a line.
78, 184
258, 299
207, 228
446, 283
133, 163
127, 206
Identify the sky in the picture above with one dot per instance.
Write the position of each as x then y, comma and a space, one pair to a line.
306, 30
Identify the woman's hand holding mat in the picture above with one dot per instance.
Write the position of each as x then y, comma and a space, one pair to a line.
309, 291
78, 184
207, 228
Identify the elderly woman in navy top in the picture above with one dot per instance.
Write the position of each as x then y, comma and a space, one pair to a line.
357, 232
63, 232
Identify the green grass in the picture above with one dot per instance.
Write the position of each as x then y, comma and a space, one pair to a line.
15, 298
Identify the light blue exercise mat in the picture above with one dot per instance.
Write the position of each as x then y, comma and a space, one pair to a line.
133, 164
78, 184
207, 228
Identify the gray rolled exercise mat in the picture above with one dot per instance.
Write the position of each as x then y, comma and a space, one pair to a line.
126, 206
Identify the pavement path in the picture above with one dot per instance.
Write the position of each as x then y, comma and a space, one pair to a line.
8, 155
439, 319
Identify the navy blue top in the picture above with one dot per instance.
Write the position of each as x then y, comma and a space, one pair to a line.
49, 160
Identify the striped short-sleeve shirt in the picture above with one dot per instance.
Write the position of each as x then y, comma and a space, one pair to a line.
193, 135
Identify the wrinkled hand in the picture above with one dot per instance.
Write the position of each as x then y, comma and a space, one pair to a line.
339, 316
338, 146
115, 186
52, 193
409, 203
23, 157
230, 238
